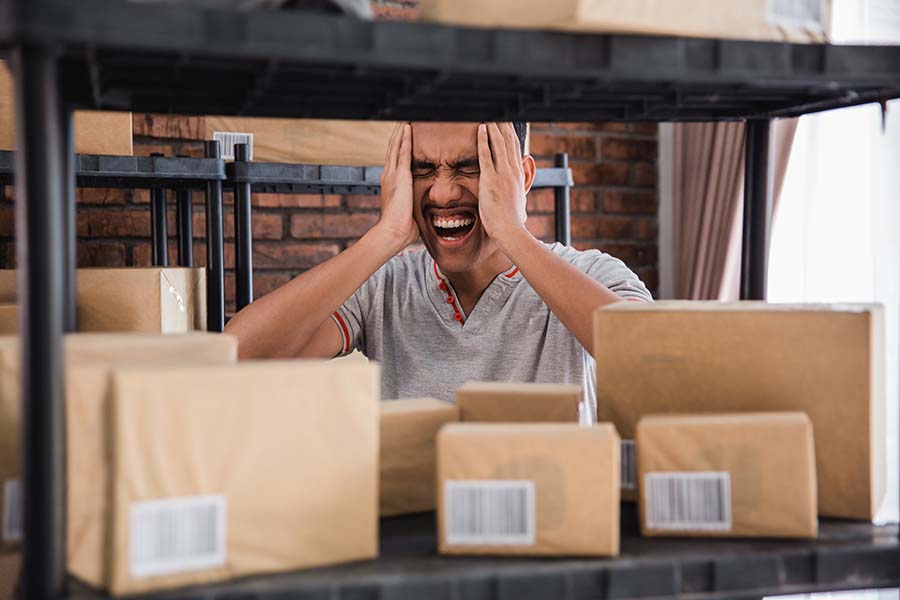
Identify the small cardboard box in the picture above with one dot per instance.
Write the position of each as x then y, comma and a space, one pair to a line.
528, 488
518, 402
710, 357
9, 574
87, 349
96, 132
310, 141
257, 467
732, 475
409, 431
747, 19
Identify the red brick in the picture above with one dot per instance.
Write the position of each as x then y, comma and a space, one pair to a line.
632, 254
120, 223
644, 128
305, 226
142, 254
291, 255
540, 201
363, 202
541, 226
613, 126
101, 196
101, 254
650, 277
577, 146
7, 221
643, 174
263, 283
296, 200
395, 13
169, 126
646, 229
615, 201
601, 227
7, 193
617, 148
600, 174
582, 200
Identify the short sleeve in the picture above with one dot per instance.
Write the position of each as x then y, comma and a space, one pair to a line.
614, 275
351, 317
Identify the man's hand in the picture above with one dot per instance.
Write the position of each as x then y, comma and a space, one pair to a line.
501, 187
396, 219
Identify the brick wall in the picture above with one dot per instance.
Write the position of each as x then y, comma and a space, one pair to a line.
614, 202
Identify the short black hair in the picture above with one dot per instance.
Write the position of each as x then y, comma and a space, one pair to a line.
521, 128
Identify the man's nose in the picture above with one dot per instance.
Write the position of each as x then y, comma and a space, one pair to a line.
444, 190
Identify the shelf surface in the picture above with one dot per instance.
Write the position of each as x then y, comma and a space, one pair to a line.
846, 555
185, 59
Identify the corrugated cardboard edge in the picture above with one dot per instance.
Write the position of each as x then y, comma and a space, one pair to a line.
878, 397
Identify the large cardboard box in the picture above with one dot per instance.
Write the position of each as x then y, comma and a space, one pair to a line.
528, 488
732, 475
257, 467
96, 132
309, 141
771, 20
409, 431
709, 357
86, 349
9, 574
518, 402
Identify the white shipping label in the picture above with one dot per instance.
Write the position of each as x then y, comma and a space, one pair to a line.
627, 469
177, 535
12, 510
227, 141
688, 501
489, 512
796, 14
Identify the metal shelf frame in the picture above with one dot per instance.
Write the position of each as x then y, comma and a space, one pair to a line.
184, 59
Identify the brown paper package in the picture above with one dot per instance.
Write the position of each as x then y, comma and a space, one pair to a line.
518, 402
769, 458
409, 431
575, 474
310, 141
747, 19
9, 574
710, 357
94, 349
290, 448
96, 132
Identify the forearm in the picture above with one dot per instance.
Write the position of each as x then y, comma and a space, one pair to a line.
571, 294
282, 322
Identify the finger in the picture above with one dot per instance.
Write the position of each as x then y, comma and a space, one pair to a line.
514, 150
498, 144
393, 147
404, 158
485, 162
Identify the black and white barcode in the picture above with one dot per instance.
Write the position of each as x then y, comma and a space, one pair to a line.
493, 512
806, 14
627, 467
177, 534
685, 501
12, 510
227, 140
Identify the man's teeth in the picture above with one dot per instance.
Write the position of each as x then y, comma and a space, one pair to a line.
452, 222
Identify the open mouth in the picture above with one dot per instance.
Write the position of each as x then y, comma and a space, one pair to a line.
453, 227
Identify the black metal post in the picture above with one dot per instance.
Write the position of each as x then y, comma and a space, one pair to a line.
215, 249
185, 227
70, 235
561, 204
41, 249
757, 210
243, 236
158, 225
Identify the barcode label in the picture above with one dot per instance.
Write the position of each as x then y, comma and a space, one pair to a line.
177, 534
227, 140
802, 14
12, 510
688, 501
627, 467
495, 512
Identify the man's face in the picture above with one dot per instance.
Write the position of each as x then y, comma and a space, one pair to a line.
445, 195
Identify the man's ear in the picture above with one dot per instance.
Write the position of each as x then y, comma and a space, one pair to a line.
530, 168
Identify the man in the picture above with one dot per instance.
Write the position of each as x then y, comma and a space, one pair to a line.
487, 301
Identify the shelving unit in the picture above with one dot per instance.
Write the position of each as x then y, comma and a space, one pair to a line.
104, 54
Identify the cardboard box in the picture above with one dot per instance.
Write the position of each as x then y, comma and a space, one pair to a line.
9, 574
260, 467
8, 286
310, 141
518, 402
80, 350
9, 319
528, 488
709, 357
409, 431
96, 132
733, 475
747, 19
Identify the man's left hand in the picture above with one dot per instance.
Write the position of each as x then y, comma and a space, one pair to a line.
501, 187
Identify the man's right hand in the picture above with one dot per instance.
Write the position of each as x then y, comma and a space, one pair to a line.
396, 219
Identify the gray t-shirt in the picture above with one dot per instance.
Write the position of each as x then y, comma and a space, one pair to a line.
407, 318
